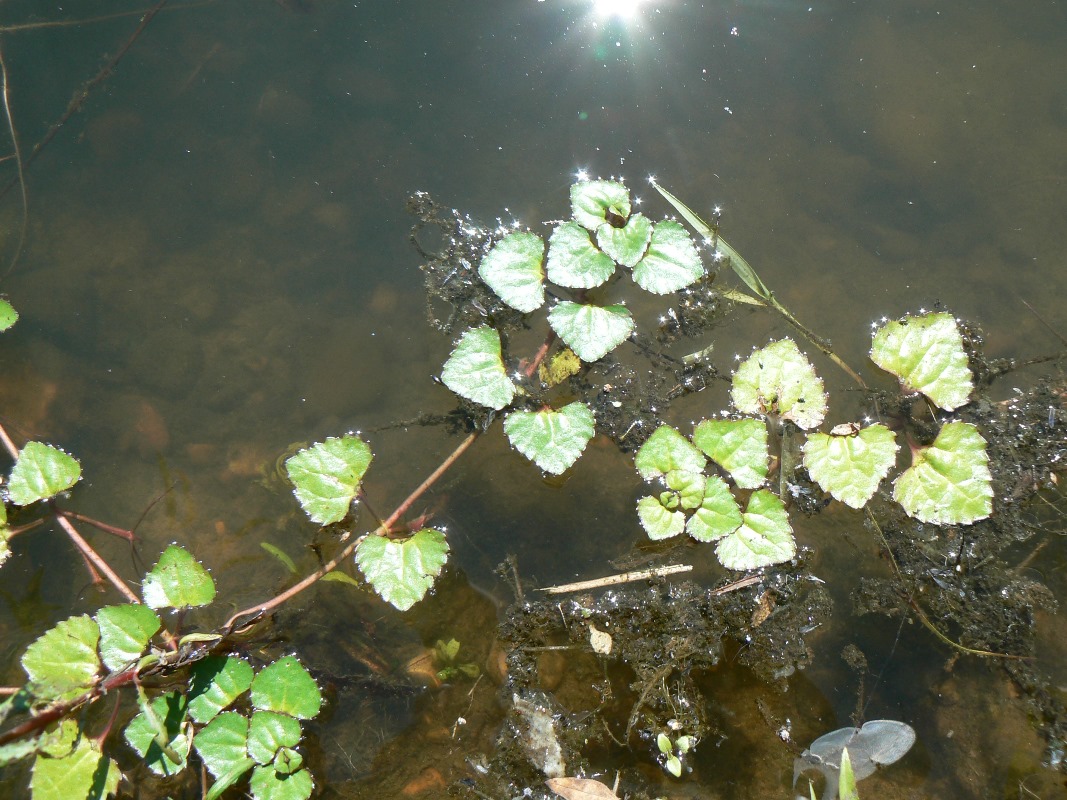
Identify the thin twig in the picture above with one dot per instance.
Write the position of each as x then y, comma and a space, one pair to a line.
615, 580
18, 166
98, 562
257, 611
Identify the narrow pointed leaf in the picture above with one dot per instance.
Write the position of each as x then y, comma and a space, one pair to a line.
63, 661
327, 476
666, 450
927, 354
574, 261
948, 482
223, 743
8, 315
553, 440
217, 681
286, 687
737, 445
718, 515
177, 581
591, 331
402, 572
269, 732
628, 243
125, 632
41, 472
765, 536
475, 370
592, 202
672, 261
659, 522
141, 733
851, 466
779, 379
513, 269
846, 785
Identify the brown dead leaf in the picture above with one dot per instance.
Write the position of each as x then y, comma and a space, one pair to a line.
580, 789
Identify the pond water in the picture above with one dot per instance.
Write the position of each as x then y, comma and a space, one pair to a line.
217, 267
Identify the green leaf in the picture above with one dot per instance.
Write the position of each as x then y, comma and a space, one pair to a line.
5, 533
177, 581
687, 487
846, 780
402, 572
718, 515
337, 576
281, 555
475, 370
142, 735
63, 662
8, 315
591, 331
84, 772
327, 476
288, 761
41, 472
592, 202
223, 744
228, 779
667, 450
778, 379
268, 732
663, 742
285, 686
553, 440
926, 353
674, 765
573, 260
269, 784
628, 243
737, 445
125, 632
217, 681
764, 537
672, 261
513, 269
659, 522
850, 465
948, 482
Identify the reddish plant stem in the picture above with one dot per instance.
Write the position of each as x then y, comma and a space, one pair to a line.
94, 558
539, 356
259, 610
103, 526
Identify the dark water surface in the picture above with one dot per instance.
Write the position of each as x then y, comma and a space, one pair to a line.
218, 267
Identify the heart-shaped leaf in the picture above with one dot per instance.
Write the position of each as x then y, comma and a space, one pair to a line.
63, 661
672, 261
551, 439
177, 581
125, 632
41, 472
8, 315
765, 536
718, 515
779, 379
513, 269
327, 475
659, 522
593, 202
223, 744
850, 466
217, 682
573, 261
591, 331
628, 243
475, 369
948, 482
737, 445
927, 354
667, 450
286, 687
402, 572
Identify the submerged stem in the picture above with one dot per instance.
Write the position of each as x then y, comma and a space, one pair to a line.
260, 609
